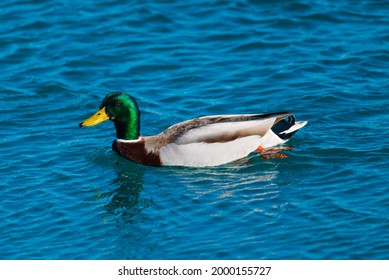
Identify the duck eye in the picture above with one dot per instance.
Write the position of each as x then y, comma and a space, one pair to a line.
118, 103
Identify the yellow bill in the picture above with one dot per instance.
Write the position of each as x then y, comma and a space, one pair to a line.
99, 117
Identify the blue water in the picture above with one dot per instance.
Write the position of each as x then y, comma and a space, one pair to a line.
66, 195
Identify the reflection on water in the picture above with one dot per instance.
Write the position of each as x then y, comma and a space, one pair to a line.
125, 200
170, 184
221, 180
148, 219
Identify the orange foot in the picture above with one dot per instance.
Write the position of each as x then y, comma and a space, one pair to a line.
273, 156
268, 153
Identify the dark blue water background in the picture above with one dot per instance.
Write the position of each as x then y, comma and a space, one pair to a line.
64, 193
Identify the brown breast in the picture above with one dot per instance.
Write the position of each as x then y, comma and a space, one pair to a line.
136, 151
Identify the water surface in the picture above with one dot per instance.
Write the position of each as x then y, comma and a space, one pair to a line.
66, 195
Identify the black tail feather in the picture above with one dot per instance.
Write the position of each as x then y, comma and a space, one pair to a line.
284, 125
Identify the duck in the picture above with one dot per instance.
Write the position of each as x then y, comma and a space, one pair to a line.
200, 142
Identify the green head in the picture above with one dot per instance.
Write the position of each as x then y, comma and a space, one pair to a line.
121, 108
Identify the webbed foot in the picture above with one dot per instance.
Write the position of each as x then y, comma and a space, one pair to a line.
268, 153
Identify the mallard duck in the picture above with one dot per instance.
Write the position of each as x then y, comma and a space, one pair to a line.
200, 142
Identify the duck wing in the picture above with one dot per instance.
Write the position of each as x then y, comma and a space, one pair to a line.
223, 128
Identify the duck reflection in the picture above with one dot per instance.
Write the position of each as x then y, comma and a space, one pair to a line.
126, 200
